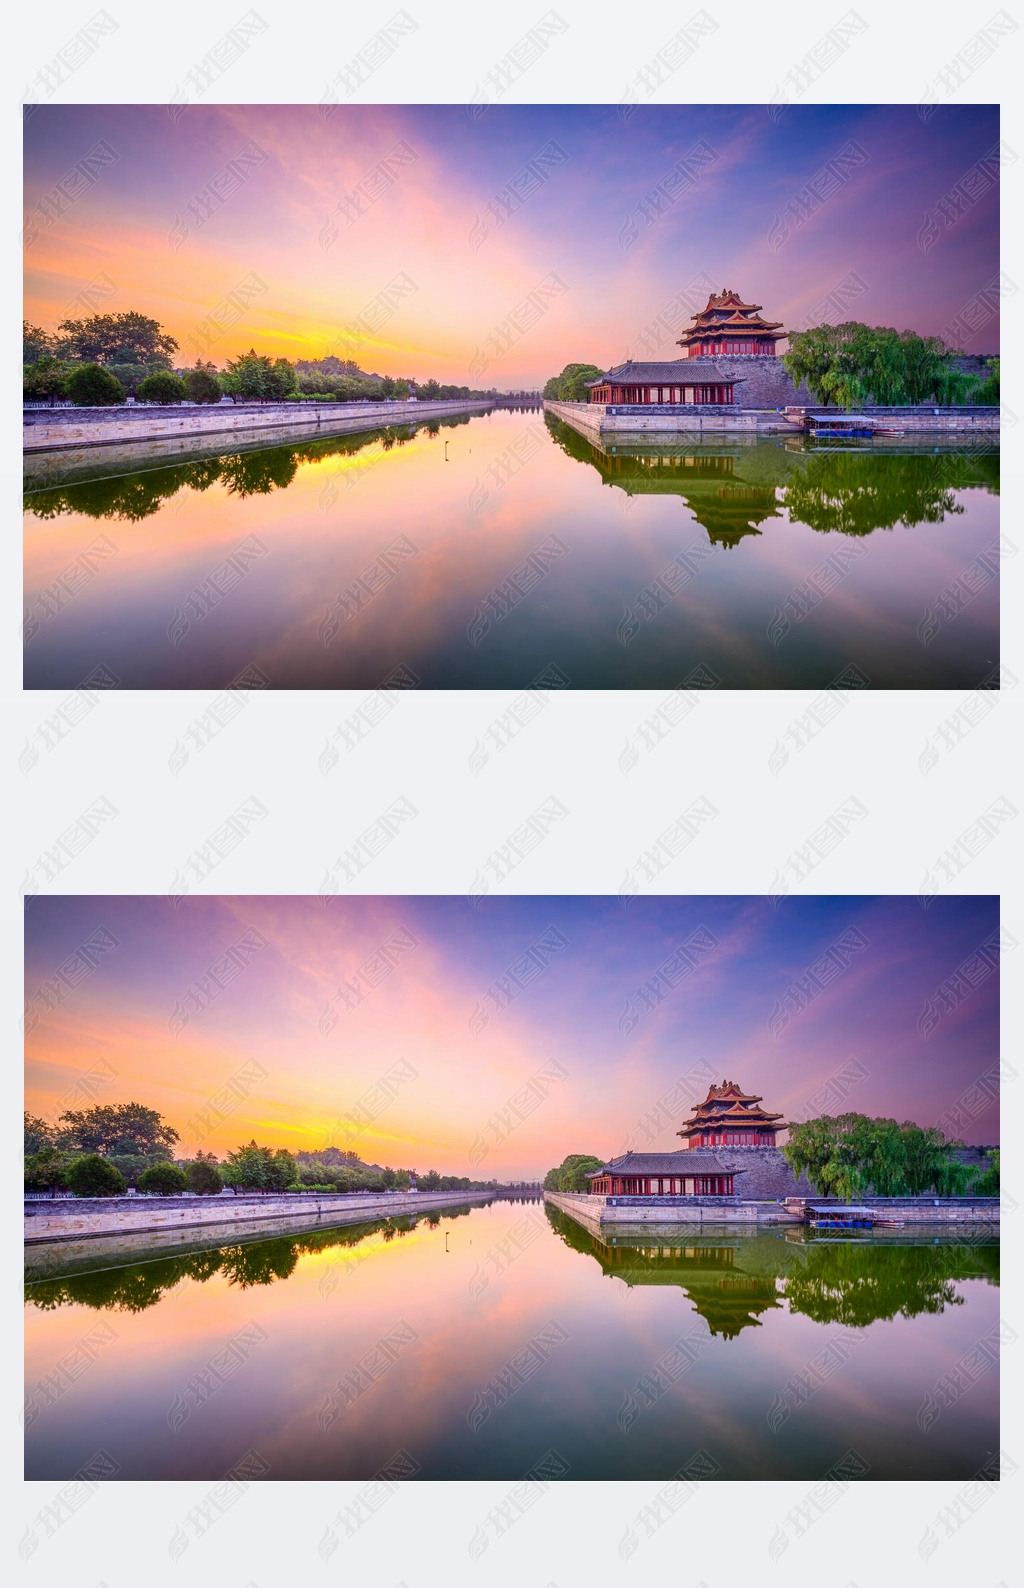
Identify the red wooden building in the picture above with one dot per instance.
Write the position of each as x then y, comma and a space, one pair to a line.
729, 1117
728, 325
676, 382
679, 1174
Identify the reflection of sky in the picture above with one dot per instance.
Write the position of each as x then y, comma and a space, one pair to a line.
427, 1012
270, 224
471, 1311
470, 533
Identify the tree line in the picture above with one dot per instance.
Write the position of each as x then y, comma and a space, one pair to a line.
104, 1150
103, 360
849, 1155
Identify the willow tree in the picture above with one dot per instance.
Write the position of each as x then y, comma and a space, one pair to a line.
849, 363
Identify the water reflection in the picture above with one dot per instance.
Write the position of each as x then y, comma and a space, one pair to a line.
260, 1262
114, 1352
854, 1281
476, 551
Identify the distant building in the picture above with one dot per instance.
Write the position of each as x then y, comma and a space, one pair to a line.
676, 1174
683, 381
729, 1117
727, 328
728, 325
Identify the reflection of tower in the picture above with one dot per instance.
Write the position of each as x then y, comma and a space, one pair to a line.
728, 507
728, 1299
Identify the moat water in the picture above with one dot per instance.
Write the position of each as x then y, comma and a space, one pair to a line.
506, 550
504, 1341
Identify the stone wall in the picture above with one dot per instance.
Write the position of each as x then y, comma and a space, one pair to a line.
54, 428
62, 1219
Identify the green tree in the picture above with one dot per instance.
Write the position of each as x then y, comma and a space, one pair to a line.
571, 382
46, 1170
202, 385
852, 1154
255, 1168
988, 1184
988, 392
129, 338
550, 392
571, 1174
45, 380
35, 343
95, 1176
203, 1175
117, 1127
38, 1134
165, 1179
92, 386
161, 387
253, 377
849, 363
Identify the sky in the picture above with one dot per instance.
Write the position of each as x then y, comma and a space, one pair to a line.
379, 233
380, 1024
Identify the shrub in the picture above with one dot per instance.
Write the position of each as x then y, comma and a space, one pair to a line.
94, 1176
203, 1178
163, 387
164, 1178
92, 386
201, 386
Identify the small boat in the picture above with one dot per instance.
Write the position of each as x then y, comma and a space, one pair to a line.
893, 432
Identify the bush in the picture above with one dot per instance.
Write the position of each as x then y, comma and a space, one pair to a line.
163, 387
95, 1176
92, 386
163, 1178
203, 1178
202, 387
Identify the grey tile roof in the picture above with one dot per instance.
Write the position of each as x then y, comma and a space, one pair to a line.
681, 1162
680, 370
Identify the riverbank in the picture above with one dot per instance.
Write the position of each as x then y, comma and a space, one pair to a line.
66, 429
93, 1218
639, 420
599, 1213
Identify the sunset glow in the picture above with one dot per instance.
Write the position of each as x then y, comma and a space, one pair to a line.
428, 1033
320, 214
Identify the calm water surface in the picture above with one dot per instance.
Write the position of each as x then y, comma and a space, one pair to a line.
480, 1340
487, 551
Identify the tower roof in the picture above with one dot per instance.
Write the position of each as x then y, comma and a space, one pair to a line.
726, 311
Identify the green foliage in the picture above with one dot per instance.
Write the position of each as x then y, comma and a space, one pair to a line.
129, 338
849, 363
38, 1134
988, 392
202, 385
571, 1173
987, 1185
254, 377
163, 1178
161, 387
46, 1170
254, 1168
851, 1154
203, 1175
117, 1127
36, 344
569, 386
45, 380
95, 1176
92, 386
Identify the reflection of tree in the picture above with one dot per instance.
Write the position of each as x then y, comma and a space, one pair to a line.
731, 1278
135, 1287
248, 472
856, 1282
857, 492
731, 488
